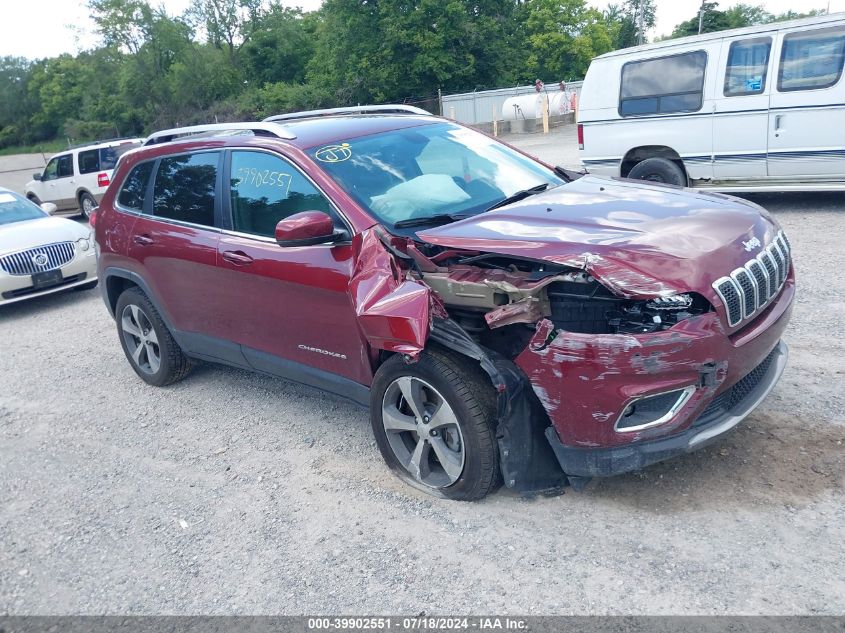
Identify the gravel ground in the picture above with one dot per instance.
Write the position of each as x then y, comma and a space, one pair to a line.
235, 493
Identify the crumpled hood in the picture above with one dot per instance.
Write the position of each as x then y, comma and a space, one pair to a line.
638, 239
19, 236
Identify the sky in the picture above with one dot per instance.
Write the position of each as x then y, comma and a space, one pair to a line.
46, 28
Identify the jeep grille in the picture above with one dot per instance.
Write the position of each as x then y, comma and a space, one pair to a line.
748, 289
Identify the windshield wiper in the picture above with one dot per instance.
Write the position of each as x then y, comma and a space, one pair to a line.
519, 195
430, 220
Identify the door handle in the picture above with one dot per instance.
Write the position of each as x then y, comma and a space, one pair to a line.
143, 240
238, 258
778, 118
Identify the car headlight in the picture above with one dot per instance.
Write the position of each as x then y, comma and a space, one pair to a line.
673, 302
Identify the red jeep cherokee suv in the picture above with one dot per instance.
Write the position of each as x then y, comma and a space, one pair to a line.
503, 319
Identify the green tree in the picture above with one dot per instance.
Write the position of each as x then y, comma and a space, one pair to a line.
563, 36
16, 102
280, 47
124, 24
387, 49
144, 77
623, 21
57, 85
737, 16
227, 23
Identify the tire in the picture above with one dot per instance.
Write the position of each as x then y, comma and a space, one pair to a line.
413, 445
35, 199
160, 361
660, 170
87, 204
89, 286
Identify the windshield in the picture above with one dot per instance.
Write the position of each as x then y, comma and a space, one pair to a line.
441, 171
16, 208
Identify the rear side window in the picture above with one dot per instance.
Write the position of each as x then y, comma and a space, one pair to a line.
184, 188
89, 161
109, 155
811, 60
663, 85
134, 188
266, 189
748, 61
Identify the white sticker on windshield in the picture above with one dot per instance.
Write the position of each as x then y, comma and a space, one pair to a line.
7, 197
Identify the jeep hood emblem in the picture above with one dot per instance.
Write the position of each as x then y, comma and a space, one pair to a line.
751, 244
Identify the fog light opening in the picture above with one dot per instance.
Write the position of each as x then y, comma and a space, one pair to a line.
653, 410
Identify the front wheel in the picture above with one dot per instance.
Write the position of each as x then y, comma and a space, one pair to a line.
434, 423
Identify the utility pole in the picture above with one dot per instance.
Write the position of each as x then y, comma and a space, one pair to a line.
701, 17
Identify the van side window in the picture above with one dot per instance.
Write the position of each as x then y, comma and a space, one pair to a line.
663, 85
266, 189
184, 188
748, 61
811, 60
134, 188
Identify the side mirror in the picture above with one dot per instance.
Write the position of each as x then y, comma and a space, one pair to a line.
49, 207
36, 176
306, 229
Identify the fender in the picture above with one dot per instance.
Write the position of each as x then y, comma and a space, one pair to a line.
135, 278
528, 463
82, 190
393, 310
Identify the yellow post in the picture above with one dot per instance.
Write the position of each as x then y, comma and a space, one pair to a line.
545, 114
495, 123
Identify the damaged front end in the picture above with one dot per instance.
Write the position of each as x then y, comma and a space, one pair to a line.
589, 356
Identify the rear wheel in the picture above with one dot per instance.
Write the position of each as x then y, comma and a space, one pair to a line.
660, 170
434, 423
149, 347
87, 204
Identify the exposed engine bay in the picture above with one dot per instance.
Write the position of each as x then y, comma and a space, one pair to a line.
500, 299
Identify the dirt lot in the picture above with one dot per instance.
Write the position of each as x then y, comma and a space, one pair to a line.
237, 493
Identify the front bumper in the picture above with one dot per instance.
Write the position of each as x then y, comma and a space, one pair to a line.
585, 383
717, 419
82, 269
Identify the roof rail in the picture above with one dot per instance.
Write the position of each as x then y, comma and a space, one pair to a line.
368, 109
259, 129
102, 142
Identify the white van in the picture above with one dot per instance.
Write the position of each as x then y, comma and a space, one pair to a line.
754, 109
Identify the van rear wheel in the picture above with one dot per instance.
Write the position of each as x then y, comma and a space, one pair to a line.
660, 170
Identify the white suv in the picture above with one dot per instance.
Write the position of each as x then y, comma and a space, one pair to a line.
76, 179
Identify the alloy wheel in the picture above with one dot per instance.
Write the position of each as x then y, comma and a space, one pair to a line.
423, 432
141, 339
88, 206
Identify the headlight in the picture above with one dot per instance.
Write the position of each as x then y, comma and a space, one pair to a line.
674, 302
